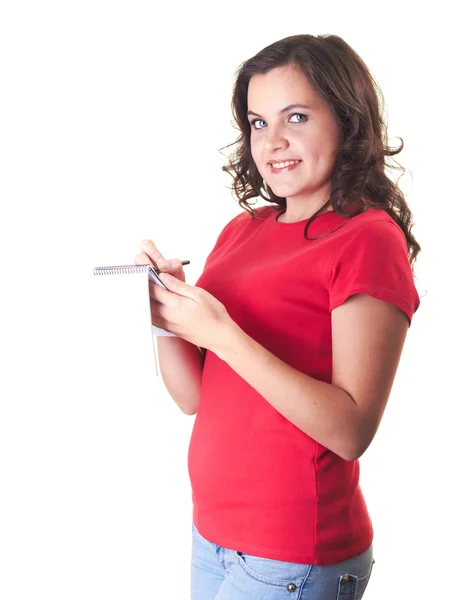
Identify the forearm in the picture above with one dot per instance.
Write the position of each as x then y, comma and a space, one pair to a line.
321, 410
181, 365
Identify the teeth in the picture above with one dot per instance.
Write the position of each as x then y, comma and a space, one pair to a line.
282, 165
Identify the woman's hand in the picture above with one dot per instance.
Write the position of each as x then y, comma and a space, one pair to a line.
190, 312
150, 255
187, 311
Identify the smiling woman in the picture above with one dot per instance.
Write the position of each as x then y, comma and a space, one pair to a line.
302, 336
344, 168
282, 136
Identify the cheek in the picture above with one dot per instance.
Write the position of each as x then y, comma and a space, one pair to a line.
255, 145
323, 148
330, 138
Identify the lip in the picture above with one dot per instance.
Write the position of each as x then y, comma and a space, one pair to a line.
278, 160
284, 169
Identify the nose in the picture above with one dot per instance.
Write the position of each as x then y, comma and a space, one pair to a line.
275, 139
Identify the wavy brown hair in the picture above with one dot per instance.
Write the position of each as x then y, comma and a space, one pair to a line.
345, 83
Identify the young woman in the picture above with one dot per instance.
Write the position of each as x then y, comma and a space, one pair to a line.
288, 344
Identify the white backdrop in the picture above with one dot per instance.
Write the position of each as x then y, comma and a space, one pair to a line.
112, 116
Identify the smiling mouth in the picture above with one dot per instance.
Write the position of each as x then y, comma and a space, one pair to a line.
284, 169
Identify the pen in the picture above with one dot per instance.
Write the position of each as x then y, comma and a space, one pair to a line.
183, 262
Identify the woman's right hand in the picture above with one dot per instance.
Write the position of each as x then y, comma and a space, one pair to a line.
150, 255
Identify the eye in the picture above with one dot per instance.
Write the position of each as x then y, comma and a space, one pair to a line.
253, 123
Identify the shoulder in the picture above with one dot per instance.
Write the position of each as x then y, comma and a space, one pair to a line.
373, 227
373, 240
369, 217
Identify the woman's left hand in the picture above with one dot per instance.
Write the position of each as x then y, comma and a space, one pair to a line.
189, 312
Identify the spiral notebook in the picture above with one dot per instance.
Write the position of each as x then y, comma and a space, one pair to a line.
148, 275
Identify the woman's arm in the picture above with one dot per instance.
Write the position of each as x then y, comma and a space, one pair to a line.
181, 365
181, 362
368, 338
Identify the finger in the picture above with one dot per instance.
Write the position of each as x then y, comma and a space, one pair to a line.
171, 265
180, 287
159, 322
159, 314
153, 290
142, 259
156, 307
161, 295
151, 251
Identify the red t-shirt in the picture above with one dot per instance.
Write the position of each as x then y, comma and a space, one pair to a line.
259, 484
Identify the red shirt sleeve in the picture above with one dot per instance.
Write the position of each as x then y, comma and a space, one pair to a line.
375, 261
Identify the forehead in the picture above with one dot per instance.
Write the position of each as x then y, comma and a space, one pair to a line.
280, 87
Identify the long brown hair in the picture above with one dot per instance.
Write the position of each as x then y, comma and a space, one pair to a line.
344, 81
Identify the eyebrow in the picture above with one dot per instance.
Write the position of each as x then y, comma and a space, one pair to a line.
283, 110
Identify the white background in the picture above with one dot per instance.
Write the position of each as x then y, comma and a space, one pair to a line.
112, 116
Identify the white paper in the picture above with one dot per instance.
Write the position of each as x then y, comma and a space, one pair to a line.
129, 300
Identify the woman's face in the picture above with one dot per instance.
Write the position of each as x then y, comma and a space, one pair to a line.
310, 135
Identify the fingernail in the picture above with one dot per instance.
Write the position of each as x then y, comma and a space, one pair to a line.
162, 264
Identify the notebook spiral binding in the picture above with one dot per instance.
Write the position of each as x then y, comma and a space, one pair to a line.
123, 270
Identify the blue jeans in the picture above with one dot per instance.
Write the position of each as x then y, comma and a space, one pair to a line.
222, 574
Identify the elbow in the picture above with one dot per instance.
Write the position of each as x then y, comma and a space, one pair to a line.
352, 456
348, 454
190, 407
345, 450
351, 444
356, 450
359, 437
